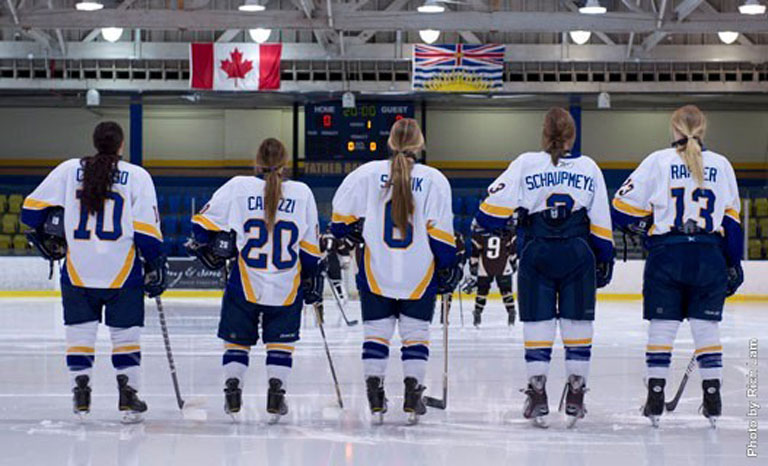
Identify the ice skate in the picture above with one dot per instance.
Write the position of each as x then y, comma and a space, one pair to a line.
573, 400
477, 318
712, 405
129, 404
276, 406
413, 403
233, 398
654, 404
377, 400
536, 405
81, 396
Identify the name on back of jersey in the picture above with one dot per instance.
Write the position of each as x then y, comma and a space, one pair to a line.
285, 205
416, 183
681, 172
118, 177
549, 179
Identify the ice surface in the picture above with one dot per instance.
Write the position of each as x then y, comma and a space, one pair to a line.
482, 425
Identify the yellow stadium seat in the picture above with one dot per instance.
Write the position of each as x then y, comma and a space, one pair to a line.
754, 249
3, 203
14, 203
20, 243
761, 207
765, 248
9, 223
752, 228
5, 242
763, 227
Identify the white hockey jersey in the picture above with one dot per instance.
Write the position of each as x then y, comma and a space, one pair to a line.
102, 247
663, 186
393, 265
269, 263
533, 183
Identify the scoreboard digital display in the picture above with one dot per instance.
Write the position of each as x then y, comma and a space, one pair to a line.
359, 133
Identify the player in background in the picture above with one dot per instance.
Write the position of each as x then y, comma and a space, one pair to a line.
103, 212
564, 235
400, 210
270, 225
695, 244
493, 257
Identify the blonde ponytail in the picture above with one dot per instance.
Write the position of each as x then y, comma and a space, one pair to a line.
405, 142
690, 123
270, 160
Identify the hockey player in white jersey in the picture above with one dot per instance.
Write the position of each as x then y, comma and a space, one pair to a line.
401, 211
565, 247
269, 226
688, 197
100, 214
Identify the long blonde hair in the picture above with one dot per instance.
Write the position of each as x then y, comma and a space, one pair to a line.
558, 133
405, 142
690, 123
270, 161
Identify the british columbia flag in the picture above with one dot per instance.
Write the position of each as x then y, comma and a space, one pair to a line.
458, 67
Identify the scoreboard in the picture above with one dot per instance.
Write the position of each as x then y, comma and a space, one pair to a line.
353, 134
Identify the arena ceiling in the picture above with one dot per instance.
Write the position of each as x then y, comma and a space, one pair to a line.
364, 45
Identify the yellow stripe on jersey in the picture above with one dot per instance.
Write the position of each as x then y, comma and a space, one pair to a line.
419, 291
441, 235
658, 348
369, 274
733, 214
310, 248
538, 344
207, 224
126, 349
625, 208
80, 349
127, 266
583, 342
295, 289
345, 219
246, 282
235, 346
280, 347
601, 232
147, 229
72, 272
34, 204
496, 211
710, 349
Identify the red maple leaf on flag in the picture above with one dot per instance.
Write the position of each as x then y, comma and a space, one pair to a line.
237, 68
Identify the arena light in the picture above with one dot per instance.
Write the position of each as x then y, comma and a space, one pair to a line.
592, 7
728, 37
251, 6
580, 37
111, 34
431, 6
429, 36
259, 35
752, 7
88, 6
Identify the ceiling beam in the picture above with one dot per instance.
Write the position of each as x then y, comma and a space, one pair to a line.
365, 36
601, 35
682, 11
94, 33
706, 6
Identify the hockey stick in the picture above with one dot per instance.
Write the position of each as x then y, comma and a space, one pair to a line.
428, 400
461, 309
671, 405
328, 355
349, 323
168, 353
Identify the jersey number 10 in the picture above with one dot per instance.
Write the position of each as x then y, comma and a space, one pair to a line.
82, 231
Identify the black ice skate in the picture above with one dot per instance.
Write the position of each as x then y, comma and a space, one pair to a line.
233, 397
536, 404
377, 400
654, 404
477, 318
573, 399
276, 400
129, 404
413, 403
81, 396
712, 405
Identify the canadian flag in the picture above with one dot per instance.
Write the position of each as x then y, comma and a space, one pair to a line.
235, 67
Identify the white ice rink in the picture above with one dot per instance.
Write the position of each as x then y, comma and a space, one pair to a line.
482, 426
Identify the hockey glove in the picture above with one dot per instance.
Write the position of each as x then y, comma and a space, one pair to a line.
735, 279
49, 238
604, 273
213, 255
470, 284
448, 279
312, 285
155, 276
354, 237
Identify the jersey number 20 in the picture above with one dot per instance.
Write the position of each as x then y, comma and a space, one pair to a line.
261, 237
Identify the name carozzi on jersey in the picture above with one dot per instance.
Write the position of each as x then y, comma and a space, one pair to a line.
417, 184
681, 172
286, 205
566, 178
118, 177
